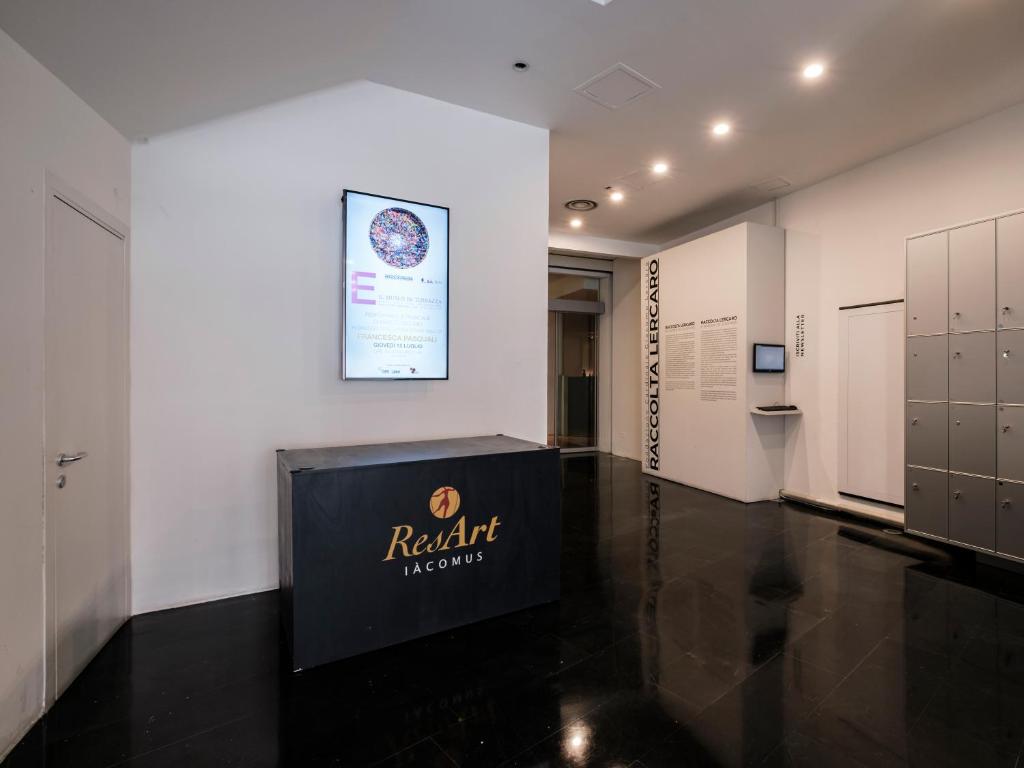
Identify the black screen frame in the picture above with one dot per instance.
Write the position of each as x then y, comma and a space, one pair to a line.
753, 358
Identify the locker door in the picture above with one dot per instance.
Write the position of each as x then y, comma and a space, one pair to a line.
1010, 271
972, 439
1010, 519
1010, 442
972, 277
972, 369
927, 284
927, 501
927, 435
972, 513
927, 368
1010, 366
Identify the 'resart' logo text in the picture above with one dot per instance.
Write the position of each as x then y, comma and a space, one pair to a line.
444, 504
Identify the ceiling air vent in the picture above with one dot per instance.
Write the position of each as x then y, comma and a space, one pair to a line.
616, 87
581, 205
771, 185
640, 179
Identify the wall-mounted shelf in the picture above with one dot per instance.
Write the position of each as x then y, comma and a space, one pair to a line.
757, 412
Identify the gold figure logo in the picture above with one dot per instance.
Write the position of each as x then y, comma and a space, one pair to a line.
444, 502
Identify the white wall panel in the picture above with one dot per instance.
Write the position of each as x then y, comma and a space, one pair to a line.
235, 312
44, 127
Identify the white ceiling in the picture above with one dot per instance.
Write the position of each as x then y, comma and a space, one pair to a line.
899, 71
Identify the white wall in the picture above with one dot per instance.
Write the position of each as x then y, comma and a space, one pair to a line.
845, 246
581, 245
235, 312
718, 294
44, 127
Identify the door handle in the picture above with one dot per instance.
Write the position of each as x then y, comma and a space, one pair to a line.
1006, 310
915, 486
956, 355
956, 315
1006, 353
913, 421
1006, 427
956, 494
63, 459
958, 422
1005, 504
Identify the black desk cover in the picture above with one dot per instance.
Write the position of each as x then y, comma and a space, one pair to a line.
379, 544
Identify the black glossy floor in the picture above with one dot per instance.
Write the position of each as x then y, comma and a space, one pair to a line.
692, 631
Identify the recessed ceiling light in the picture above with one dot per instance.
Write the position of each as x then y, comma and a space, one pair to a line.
616, 196
721, 129
575, 223
814, 70
660, 167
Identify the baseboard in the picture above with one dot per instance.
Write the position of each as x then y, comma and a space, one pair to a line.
878, 513
212, 598
20, 734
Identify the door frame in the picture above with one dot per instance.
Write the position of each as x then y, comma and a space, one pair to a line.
56, 188
603, 351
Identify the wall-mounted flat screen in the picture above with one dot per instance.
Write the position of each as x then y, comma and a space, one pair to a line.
769, 358
395, 288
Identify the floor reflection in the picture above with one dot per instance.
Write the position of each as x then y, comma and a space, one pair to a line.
692, 631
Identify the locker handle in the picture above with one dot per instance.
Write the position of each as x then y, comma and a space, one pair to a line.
1005, 504
1006, 427
956, 355
1006, 310
915, 487
956, 494
956, 315
1006, 353
913, 421
958, 422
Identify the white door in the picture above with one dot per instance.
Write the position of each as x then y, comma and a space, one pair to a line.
871, 396
86, 439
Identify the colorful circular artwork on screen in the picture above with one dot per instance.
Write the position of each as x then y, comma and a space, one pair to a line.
399, 237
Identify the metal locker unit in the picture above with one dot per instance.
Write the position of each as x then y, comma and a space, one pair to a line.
972, 444
1010, 367
927, 501
927, 367
972, 514
927, 435
1010, 442
927, 284
972, 369
1010, 519
972, 277
1010, 271
965, 385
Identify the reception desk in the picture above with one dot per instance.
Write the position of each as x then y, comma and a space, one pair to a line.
379, 544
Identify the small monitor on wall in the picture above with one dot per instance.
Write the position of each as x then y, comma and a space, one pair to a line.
769, 358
